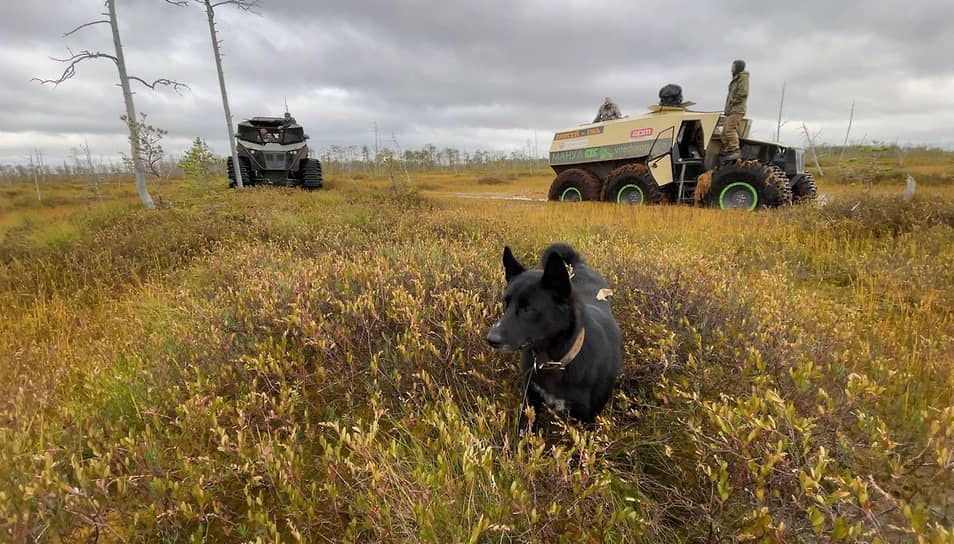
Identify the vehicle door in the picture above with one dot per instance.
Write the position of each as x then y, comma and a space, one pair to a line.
660, 157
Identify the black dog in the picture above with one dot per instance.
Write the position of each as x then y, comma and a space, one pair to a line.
560, 318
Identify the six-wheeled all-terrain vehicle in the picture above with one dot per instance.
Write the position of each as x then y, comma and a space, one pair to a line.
270, 154
671, 155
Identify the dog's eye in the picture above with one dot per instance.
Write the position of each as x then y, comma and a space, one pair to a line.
526, 308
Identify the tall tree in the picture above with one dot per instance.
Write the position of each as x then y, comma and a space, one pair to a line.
209, 6
151, 153
124, 78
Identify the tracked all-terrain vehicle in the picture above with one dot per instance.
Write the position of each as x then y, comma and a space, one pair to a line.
271, 154
671, 154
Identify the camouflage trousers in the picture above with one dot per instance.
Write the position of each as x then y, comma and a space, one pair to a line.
730, 132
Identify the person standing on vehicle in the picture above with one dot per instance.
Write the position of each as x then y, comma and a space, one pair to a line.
608, 111
734, 110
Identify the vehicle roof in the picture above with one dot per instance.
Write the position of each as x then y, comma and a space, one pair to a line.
263, 121
656, 114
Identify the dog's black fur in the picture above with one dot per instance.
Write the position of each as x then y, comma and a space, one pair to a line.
544, 311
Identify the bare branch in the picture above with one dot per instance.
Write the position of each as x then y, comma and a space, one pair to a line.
82, 26
244, 5
161, 81
74, 60
180, 3
85, 54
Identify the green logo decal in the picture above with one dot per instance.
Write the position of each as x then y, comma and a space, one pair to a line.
601, 153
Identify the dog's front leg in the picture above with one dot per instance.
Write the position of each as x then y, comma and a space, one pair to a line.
530, 410
531, 398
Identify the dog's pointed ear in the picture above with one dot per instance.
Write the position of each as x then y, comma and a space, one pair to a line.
512, 266
555, 276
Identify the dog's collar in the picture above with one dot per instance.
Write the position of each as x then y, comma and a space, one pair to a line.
566, 359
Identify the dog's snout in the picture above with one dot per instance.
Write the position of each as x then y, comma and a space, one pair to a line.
494, 338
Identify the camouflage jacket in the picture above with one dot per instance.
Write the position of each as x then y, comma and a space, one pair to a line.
738, 94
608, 112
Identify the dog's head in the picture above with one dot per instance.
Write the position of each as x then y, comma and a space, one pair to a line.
537, 304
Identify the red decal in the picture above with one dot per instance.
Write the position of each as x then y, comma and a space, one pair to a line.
641, 133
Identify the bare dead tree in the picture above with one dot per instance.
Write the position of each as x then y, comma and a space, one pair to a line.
209, 7
36, 165
901, 151
94, 178
245, 5
407, 174
811, 147
778, 127
851, 117
74, 59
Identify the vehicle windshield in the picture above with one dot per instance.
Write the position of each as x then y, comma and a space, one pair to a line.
271, 134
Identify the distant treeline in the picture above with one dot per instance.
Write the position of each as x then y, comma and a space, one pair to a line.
354, 160
362, 159
349, 160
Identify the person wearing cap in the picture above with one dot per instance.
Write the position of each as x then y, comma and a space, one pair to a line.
288, 120
608, 111
734, 110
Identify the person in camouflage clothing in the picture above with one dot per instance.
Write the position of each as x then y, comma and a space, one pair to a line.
735, 110
608, 111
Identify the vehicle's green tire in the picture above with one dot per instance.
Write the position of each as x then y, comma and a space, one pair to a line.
744, 185
574, 185
631, 184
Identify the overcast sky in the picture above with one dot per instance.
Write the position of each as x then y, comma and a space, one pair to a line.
487, 74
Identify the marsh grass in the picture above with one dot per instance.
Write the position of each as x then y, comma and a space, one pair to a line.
274, 364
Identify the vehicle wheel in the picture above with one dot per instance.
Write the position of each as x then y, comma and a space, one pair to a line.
574, 185
782, 182
804, 188
631, 184
311, 174
244, 166
744, 186
231, 169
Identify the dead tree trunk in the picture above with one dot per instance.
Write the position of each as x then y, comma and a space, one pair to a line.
36, 176
130, 110
851, 117
778, 126
93, 175
811, 147
210, 12
124, 81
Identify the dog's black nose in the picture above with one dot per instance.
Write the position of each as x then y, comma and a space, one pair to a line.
494, 338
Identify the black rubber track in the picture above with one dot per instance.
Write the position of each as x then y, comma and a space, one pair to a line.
246, 169
311, 174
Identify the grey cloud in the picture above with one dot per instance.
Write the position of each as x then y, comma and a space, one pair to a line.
483, 74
